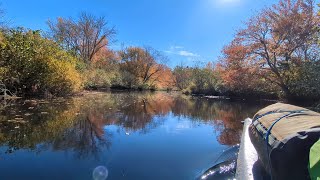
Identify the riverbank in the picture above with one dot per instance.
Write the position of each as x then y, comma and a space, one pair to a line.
313, 105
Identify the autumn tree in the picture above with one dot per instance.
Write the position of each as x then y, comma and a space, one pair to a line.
182, 77
240, 76
143, 64
279, 41
84, 36
165, 79
105, 56
200, 77
102, 71
234, 67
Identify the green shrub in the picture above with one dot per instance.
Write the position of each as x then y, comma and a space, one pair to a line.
31, 64
304, 82
97, 78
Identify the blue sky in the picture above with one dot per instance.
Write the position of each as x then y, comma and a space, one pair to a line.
189, 32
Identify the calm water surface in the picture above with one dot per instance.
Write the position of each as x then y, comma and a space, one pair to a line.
135, 135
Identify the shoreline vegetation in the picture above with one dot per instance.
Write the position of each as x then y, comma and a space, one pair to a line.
274, 56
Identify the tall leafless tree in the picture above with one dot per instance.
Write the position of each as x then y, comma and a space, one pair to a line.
84, 36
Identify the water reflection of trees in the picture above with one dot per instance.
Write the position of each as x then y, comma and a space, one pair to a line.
139, 114
58, 125
84, 138
225, 116
78, 124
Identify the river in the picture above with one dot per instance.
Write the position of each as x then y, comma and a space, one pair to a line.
134, 135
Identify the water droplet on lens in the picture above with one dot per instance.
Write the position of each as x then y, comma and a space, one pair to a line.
100, 173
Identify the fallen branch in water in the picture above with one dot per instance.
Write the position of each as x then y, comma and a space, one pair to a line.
6, 93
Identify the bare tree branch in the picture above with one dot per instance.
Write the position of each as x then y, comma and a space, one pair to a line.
83, 36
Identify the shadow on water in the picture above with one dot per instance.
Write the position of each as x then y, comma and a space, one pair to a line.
78, 125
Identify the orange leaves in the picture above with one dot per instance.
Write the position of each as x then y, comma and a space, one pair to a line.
235, 54
103, 56
237, 70
271, 45
166, 79
145, 65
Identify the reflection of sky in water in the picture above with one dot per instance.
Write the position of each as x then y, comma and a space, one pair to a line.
177, 125
172, 149
136, 136
176, 144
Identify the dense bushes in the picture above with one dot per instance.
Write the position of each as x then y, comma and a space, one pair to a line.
95, 76
305, 81
34, 65
197, 80
31, 64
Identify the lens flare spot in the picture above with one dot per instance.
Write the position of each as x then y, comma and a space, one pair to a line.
100, 173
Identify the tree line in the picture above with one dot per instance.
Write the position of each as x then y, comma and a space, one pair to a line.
275, 54
74, 55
